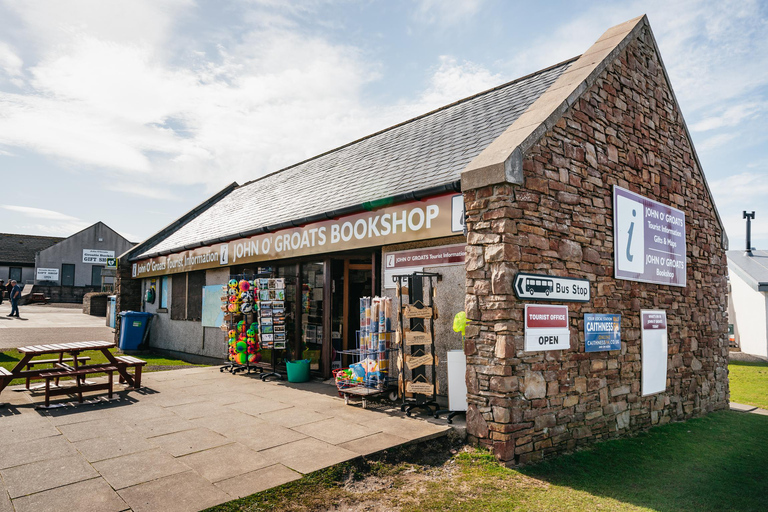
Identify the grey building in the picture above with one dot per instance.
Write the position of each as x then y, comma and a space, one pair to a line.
17, 255
78, 260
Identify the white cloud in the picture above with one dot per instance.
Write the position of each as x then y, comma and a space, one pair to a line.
38, 213
731, 116
452, 81
744, 191
446, 13
10, 63
716, 141
142, 189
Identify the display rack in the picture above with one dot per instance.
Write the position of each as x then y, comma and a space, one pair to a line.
368, 375
416, 341
254, 321
240, 312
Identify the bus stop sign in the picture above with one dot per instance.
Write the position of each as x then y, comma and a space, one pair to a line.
543, 287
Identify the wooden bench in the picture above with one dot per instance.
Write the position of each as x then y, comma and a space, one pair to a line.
33, 363
38, 297
5, 374
80, 386
135, 363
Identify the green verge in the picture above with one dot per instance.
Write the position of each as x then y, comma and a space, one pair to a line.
718, 462
9, 358
749, 383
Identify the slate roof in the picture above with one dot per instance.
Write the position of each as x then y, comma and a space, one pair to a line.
752, 269
21, 249
421, 153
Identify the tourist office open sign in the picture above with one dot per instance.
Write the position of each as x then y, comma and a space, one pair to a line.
649, 240
546, 328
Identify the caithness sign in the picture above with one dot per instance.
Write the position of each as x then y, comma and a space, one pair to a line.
648, 240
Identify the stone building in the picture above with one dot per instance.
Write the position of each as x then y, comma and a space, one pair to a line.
539, 199
552, 168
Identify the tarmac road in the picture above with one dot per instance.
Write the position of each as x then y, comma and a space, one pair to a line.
41, 324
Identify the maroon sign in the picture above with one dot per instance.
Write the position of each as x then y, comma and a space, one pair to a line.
654, 321
546, 316
649, 240
444, 255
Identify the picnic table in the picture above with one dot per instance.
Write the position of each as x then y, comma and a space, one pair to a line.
120, 364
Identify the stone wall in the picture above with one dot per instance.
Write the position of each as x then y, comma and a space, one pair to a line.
64, 294
625, 130
95, 303
128, 292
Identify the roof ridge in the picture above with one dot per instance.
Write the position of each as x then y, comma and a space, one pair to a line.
32, 236
413, 119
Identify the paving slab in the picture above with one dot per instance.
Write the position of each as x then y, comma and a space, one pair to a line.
226, 462
742, 407
18, 454
76, 432
374, 443
137, 468
231, 423
93, 495
163, 426
26, 431
5, 501
82, 413
47, 474
183, 492
308, 455
335, 430
762, 412
255, 405
140, 413
257, 481
265, 438
190, 441
117, 445
197, 410
292, 417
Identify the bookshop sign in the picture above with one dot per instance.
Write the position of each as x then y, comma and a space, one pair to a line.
416, 220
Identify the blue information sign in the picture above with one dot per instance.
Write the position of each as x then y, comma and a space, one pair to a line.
602, 332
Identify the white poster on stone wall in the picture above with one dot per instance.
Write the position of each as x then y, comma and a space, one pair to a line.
654, 357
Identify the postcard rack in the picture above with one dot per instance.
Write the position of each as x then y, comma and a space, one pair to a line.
417, 359
254, 321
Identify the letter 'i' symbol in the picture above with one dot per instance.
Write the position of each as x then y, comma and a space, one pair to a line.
629, 239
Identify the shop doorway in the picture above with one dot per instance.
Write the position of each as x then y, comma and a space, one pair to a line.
352, 278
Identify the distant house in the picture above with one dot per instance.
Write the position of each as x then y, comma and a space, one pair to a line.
77, 261
748, 305
17, 255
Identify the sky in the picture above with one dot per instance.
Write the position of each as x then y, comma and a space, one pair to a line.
133, 112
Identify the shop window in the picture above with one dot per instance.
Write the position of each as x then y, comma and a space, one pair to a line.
179, 297
187, 296
67, 274
96, 275
195, 283
163, 292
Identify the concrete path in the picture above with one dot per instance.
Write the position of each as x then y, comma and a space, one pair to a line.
748, 408
191, 439
49, 324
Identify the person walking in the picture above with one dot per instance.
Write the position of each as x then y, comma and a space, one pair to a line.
2, 291
15, 296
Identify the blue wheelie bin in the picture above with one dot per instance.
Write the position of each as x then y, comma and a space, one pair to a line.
132, 327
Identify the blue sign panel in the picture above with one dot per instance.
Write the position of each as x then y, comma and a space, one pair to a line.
602, 332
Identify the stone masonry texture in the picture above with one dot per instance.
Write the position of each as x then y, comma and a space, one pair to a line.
625, 130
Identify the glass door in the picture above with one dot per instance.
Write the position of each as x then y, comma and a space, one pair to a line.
312, 281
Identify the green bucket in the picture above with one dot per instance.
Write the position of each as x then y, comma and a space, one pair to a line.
298, 371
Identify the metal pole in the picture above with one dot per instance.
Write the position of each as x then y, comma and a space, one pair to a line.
749, 217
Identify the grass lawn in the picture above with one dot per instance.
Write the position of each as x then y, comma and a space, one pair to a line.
719, 462
9, 358
749, 383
